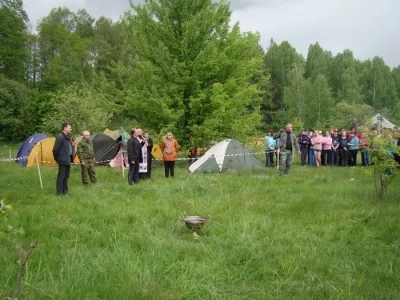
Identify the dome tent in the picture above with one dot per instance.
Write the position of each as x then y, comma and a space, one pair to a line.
27, 146
227, 155
105, 148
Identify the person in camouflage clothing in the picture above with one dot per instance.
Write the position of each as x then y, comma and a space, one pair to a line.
287, 144
85, 154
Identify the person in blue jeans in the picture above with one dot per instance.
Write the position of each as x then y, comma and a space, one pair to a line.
311, 156
270, 144
304, 142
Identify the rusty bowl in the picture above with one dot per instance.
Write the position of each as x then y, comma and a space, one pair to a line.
194, 222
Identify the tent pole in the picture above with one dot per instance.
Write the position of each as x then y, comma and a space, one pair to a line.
40, 176
122, 165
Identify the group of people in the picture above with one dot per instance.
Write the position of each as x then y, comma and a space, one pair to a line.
316, 149
139, 148
332, 148
139, 155
63, 154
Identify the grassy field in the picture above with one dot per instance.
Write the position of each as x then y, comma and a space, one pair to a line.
315, 234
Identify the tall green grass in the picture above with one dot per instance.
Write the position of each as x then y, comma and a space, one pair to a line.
314, 234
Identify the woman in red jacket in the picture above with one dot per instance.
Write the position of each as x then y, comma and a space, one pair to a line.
169, 149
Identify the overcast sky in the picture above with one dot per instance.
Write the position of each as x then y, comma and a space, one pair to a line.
367, 27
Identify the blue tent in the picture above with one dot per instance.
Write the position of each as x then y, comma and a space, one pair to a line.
26, 147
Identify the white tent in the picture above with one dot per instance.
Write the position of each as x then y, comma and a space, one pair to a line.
380, 122
226, 155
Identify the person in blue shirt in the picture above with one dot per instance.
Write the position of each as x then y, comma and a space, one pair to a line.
353, 149
270, 144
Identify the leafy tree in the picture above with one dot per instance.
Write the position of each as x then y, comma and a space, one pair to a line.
17, 6
13, 38
17, 116
348, 115
63, 57
396, 78
107, 44
33, 66
193, 73
83, 24
297, 96
61, 16
322, 104
318, 62
83, 107
384, 166
279, 61
381, 86
345, 78
350, 90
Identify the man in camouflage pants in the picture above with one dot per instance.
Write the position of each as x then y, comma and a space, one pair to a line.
287, 144
85, 153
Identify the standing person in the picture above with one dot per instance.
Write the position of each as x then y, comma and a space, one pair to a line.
317, 146
353, 149
270, 144
327, 149
149, 145
311, 156
135, 157
85, 154
287, 144
304, 141
143, 164
343, 148
335, 148
169, 149
62, 153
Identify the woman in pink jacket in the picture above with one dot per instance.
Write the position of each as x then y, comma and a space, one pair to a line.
327, 149
317, 146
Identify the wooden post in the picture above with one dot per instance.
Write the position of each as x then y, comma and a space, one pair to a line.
122, 165
277, 159
40, 176
9, 152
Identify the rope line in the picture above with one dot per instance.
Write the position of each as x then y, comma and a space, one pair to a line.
107, 161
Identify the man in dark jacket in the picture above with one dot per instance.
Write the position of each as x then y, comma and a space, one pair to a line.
135, 157
62, 152
304, 141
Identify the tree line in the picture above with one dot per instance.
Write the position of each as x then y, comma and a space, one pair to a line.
176, 66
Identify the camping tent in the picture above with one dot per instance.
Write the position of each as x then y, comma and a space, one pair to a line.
43, 150
118, 135
226, 155
26, 147
122, 136
105, 148
379, 122
156, 152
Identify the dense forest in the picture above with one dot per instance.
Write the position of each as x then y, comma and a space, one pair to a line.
176, 66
